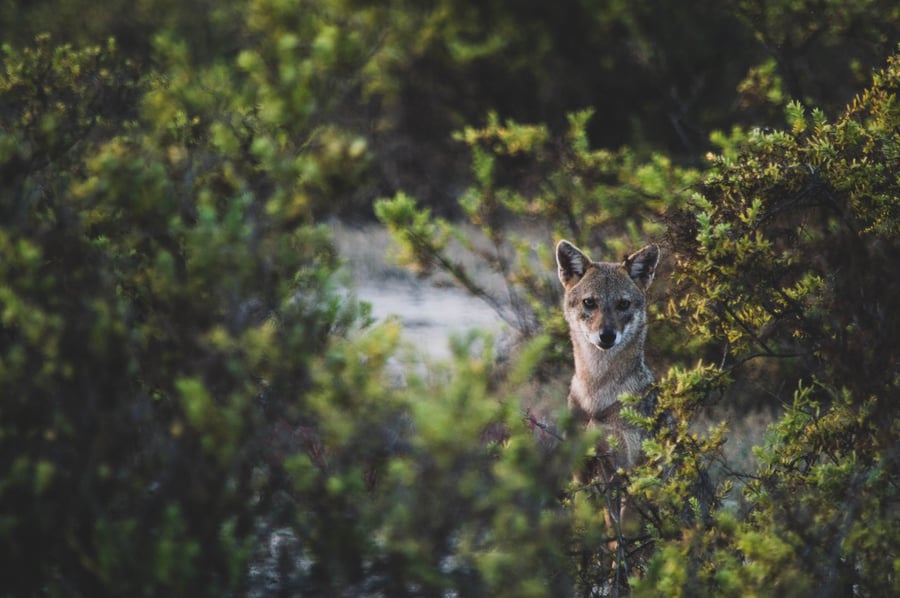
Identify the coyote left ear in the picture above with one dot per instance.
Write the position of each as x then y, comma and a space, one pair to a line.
641, 265
572, 263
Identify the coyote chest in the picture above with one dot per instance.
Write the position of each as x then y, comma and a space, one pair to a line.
605, 307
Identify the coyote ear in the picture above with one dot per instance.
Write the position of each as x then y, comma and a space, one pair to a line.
571, 261
641, 265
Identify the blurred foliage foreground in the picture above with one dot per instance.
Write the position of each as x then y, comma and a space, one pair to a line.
190, 404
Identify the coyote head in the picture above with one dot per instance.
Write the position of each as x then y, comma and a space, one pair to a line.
605, 302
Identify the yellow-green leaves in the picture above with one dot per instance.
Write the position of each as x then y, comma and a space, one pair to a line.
220, 424
795, 115
784, 261
508, 138
421, 239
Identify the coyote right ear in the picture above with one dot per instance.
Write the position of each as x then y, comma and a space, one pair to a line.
641, 265
571, 261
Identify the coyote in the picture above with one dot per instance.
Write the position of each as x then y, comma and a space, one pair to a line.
604, 306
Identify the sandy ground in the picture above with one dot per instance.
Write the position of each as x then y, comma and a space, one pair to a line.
431, 310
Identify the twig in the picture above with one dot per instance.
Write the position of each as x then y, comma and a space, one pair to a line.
533, 421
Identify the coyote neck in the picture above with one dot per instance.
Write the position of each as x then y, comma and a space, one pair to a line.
602, 377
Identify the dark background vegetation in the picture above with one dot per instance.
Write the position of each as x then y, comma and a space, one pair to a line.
190, 402
660, 75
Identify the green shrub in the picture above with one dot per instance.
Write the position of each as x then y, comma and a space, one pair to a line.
783, 257
149, 303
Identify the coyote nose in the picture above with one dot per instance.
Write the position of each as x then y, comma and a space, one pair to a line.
607, 338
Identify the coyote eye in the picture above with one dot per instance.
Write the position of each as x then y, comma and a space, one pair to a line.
589, 302
623, 304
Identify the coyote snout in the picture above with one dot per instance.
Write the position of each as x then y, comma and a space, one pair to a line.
608, 325
607, 339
